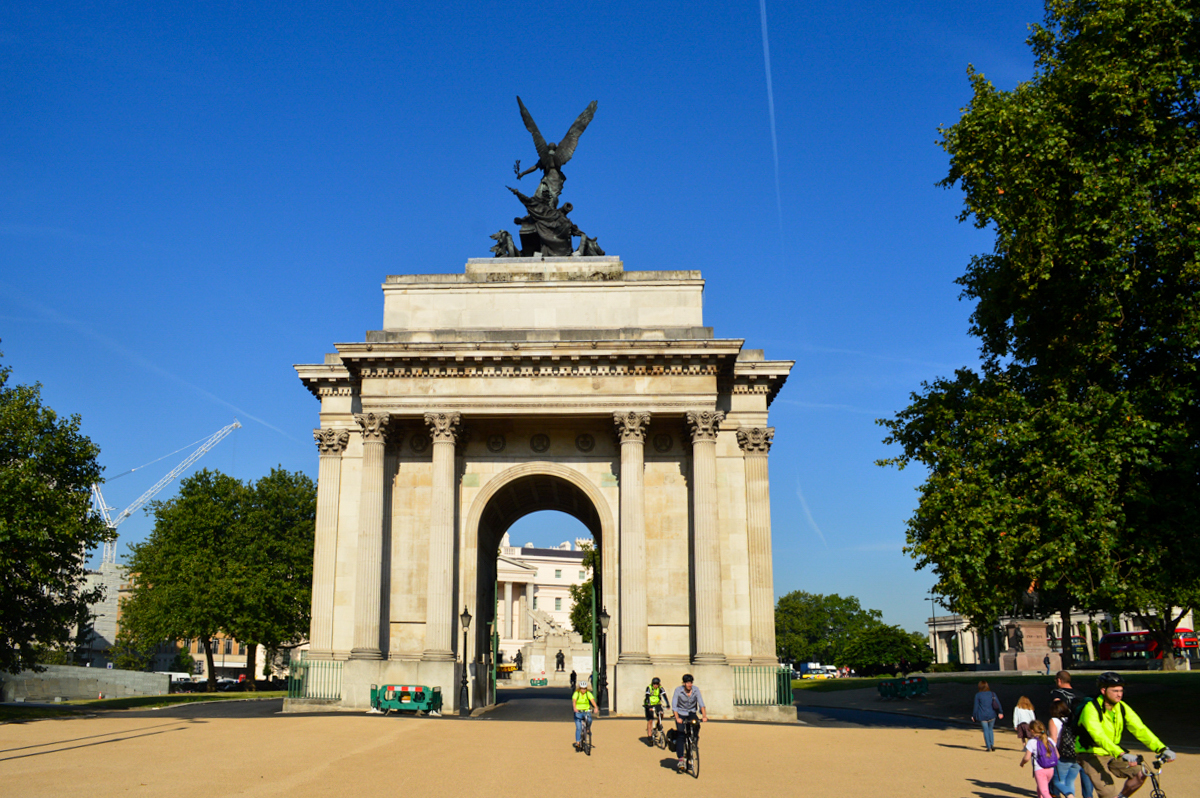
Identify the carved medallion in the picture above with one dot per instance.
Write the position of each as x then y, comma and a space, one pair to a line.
540, 442
419, 442
662, 443
585, 442
495, 443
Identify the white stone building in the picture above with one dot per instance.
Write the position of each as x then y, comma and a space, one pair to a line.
528, 577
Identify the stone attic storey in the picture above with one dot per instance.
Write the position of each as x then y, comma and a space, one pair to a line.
522, 385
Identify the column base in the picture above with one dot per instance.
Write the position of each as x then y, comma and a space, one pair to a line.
324, 656
633, 658
709, 659
433, 655
365, 653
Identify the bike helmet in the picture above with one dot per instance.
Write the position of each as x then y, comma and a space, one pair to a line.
1110, 679
656, 680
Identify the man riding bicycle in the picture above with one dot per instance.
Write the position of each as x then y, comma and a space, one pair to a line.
1098, 740
583, 702
655, 702
684, 703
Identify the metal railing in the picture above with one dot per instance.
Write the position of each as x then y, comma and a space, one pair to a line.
762, 686
316, 678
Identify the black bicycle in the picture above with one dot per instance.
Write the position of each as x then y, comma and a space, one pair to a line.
659, 736
691, 746
1153, 770
585, 742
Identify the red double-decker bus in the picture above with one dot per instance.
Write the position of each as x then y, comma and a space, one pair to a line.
1139, 645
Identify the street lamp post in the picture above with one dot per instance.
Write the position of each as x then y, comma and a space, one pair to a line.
464, 695
604, 619
933, 626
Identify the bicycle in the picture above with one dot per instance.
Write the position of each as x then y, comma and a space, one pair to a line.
691, 746
585, 741
1153, 770
658, 736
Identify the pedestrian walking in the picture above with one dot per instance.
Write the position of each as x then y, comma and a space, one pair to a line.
984, 712
1022, 717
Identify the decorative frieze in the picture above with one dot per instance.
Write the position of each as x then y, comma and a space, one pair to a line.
704, 424
331, 441
755, 440
373, 425
631, 425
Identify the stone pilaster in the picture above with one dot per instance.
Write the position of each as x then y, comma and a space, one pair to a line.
440, 610
330, 444
391, 464
706, 555
508, 612
526, 621
369, 575
756, 444
634, 636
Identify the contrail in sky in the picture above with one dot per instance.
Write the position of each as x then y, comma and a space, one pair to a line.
808, 514
762, 7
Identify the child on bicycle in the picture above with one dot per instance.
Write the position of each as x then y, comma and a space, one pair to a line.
655, 702
582, 702
685, 703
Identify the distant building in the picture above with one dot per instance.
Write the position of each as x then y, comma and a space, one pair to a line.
528, 577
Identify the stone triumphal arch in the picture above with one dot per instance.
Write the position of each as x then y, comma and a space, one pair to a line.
522, 385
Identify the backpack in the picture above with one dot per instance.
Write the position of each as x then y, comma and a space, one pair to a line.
1047, 755
1078, 733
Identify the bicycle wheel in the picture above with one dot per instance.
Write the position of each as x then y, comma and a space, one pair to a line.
587, 739
659, 738
694, 757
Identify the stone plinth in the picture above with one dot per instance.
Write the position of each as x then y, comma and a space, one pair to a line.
1028, 646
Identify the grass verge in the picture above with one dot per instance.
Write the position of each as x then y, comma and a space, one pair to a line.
17, 713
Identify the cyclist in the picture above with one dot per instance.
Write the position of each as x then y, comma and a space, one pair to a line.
583, 702
654, 704
1098, 740
684, 703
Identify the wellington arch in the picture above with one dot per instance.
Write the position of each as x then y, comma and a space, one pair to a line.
527, 384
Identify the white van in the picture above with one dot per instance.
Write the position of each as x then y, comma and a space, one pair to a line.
176, 676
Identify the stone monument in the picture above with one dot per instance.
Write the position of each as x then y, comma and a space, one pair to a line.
1028, 645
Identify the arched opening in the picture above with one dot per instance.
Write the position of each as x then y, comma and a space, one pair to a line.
548, 505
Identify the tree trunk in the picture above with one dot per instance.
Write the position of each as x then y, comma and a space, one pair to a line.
1161, 629
251, 663
208, 658
1068, 651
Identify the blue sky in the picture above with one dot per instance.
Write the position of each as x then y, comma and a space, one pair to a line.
194, 197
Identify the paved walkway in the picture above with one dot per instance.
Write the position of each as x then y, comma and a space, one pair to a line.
249, 748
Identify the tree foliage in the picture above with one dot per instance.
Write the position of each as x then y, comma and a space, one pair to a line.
1071, 459
886, 649
810, 627
46, 526
225, 557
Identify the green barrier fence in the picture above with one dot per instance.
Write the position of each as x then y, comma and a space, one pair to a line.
758, 686
320, 679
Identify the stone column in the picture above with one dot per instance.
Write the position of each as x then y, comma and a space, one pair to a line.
706, 554
370, 537
508, 611
526, 621
634, 636
440, 610
330, 443
756, 443
391, 464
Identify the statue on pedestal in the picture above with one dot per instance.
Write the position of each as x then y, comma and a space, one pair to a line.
559, 661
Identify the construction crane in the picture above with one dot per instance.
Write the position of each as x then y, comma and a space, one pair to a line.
110, 546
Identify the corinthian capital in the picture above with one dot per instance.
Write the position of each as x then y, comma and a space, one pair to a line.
331, 441
631, 426
443, 427
704, 424
373, 426
755, 440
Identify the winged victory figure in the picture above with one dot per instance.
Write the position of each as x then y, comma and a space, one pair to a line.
552, 156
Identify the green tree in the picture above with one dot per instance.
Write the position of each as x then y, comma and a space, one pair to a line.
581, 594
271, 574
181, 573
886, 649
46, 526
810, 627
1071, 459
127, 655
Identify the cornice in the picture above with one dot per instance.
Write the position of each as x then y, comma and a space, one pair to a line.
760, 376
326, 380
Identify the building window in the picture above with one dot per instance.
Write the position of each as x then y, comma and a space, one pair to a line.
558, 604
241, 649
583, 574
535, 602
558, 573
228, 646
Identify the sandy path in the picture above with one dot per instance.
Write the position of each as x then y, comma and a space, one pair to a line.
247, 749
